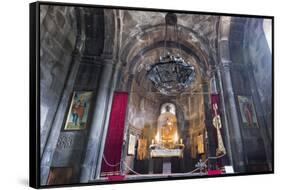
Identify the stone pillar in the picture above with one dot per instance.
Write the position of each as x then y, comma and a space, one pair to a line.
97, 128
51, 144
211, 142
126, 129
109, 106
229, 99
235, 131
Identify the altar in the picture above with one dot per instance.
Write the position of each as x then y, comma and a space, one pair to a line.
166, 153
167, 143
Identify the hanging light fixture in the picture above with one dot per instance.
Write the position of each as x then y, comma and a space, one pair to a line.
171, 74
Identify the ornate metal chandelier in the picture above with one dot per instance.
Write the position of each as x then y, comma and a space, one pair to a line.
171, 74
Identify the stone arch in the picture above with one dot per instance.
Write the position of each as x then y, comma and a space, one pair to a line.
110, 33
150, 39
154, 36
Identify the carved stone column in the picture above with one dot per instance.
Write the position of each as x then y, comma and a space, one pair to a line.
229, 99
235, 131
211, 143
97, 127
126, 129
106, 123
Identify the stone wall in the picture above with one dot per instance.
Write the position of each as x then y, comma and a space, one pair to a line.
250, 73
58, 33
71, 144
71, 48
260, 58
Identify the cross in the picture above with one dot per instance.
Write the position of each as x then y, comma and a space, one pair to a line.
215, 108
201, 166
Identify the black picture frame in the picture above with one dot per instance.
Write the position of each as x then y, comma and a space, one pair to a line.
34, 92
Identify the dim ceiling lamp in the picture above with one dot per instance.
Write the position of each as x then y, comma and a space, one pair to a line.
171, 74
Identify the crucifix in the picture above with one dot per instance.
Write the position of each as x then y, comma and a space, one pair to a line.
201, 166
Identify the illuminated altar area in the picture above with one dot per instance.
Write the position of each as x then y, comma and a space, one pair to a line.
166, 142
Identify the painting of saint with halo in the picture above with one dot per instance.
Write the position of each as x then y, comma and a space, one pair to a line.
248, 113
78, 111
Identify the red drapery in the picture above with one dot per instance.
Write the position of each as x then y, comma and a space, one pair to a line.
214, 104
214, 172
215, 99
113, 144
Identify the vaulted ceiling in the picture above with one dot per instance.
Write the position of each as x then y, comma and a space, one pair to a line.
142, 40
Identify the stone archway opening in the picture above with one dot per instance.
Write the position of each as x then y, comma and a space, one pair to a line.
145, 102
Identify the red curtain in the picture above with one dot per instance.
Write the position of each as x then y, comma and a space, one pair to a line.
215, 105
215, 99
113, 144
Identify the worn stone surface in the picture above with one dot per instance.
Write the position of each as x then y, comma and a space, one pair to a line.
261, 59
203, 27
250, 72
62, 56
58, 35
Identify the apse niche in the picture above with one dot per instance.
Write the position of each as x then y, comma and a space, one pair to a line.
165, 76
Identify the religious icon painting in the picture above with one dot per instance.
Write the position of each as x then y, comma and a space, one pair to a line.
142, 149
200, 144
78, 111
132, 144
248, 113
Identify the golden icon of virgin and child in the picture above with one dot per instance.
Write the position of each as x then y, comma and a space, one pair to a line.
78, 112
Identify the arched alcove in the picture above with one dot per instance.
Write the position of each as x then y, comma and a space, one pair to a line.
143, 48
